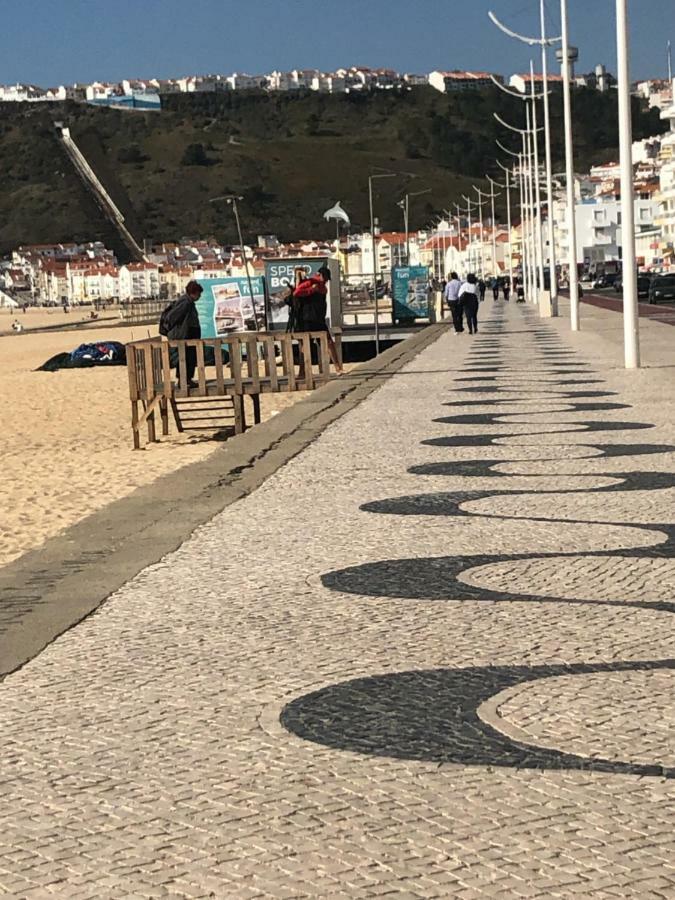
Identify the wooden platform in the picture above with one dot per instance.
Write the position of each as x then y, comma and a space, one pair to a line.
236, 366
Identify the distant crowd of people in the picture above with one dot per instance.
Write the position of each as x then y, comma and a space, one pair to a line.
463, 297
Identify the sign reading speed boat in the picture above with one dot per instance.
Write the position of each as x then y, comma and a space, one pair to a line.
225, 305
279, 274
410, 292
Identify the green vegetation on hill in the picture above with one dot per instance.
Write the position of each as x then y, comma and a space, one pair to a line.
291, 156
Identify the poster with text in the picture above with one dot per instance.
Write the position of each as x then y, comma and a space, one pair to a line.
410, 292
279, 274
226, 307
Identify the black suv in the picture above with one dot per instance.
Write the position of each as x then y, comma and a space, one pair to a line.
662, 289
643, 282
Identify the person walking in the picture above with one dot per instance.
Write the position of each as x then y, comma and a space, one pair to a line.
506, 288
468, 295
481, 289
451, 296
494, 286
180, 322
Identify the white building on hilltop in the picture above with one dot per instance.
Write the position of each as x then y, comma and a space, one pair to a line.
449, 82
21, 93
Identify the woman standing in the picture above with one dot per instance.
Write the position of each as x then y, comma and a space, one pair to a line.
468, 295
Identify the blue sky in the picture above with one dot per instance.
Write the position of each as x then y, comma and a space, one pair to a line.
51, 42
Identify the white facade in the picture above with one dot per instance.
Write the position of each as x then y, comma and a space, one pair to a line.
666, 194
329, 84
242, 82
449, 82
138, 281
21, 93
599, 237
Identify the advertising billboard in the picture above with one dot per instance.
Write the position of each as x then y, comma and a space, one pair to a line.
279, 274
410, 292
225, 305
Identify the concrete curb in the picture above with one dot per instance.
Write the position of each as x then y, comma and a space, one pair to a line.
51, 589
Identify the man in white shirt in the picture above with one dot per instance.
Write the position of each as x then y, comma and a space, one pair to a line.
451, 296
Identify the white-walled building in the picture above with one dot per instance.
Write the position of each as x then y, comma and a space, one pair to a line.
21, 93
666, 194
657, 92
449, 82
241, 82
599, 237
522, 83
139, 281
329, 84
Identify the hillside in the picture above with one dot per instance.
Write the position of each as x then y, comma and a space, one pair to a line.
291, 156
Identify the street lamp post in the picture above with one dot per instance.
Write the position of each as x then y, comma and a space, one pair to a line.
544, 42
371, 178
481, 204
549, 164
459, 231
525, 246
469, 201
231, 200
494, 233
528, 155
630, 307
405, 206
537, 184
569, 174
507, 187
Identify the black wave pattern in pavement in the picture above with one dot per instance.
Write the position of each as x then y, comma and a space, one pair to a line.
432, 716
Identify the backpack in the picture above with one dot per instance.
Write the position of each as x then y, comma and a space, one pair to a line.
164, 320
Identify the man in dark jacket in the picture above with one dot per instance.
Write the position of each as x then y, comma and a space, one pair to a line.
183, 322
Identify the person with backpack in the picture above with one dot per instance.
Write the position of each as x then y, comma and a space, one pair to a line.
180, 322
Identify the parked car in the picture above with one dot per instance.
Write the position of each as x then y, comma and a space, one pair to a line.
662, 289
643, 282
605, 281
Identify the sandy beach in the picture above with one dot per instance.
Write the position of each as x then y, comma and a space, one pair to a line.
66, 442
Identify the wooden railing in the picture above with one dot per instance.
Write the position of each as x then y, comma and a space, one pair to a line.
236, 366
141, 311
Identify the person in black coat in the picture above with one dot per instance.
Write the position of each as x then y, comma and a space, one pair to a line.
183, 322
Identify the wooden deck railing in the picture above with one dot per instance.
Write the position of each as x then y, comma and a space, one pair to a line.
236, 366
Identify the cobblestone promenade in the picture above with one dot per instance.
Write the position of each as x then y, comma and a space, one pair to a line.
431, 657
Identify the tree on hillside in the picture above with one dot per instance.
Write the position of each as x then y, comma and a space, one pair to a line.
195, 155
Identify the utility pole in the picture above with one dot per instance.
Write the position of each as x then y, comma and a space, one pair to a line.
231, 200
481, 203
569, 174
630, 306
494, 233
376, 303
544, 42
507, 187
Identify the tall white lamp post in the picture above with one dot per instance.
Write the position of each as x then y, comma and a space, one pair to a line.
372, 178
569, 173
630, 307
544, 42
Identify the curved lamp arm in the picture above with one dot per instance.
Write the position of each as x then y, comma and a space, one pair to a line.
506, 150
511, 127
533, 42
515, 93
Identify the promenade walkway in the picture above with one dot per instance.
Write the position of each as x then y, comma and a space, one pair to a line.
430, 657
